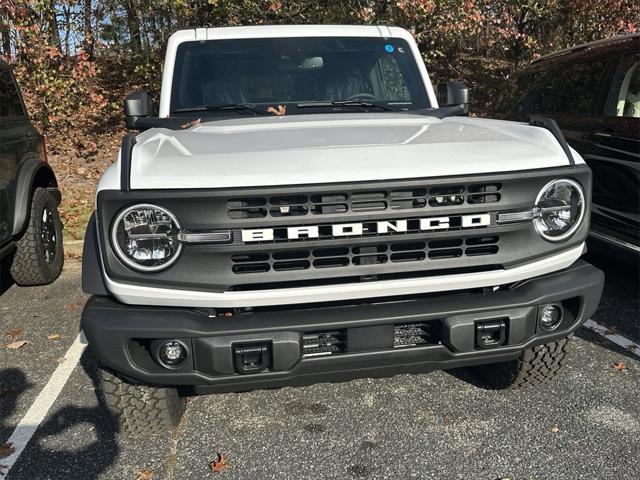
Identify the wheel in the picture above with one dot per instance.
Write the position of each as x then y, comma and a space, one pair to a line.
140, 409
39, 255
535, 366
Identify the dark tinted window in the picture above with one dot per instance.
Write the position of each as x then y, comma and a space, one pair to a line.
10, 104
570, 88
565, 88
276, 71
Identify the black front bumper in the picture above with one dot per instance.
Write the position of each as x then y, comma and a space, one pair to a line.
123, 337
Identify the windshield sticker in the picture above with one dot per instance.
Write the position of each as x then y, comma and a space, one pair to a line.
389, 48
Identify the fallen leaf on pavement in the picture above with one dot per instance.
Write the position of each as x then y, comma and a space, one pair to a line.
54, 336
6, 449
61, 359
447, 418
72, 256
18, 344
554, 429
219, 463
145, 474
620, 366
14, 332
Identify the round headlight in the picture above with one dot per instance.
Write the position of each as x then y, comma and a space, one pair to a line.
559, 209
145, 237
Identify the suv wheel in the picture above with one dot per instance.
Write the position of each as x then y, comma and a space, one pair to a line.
39, 255
535, 366
140, 409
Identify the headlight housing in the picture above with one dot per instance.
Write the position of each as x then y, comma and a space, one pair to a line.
559, 209
145, 237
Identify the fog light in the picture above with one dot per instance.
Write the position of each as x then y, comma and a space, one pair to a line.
550, 317
172, 353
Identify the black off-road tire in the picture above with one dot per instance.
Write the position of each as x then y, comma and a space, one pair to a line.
535, 366
140, 410
39, 260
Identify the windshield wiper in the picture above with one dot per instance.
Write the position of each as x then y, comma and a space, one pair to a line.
345, 103
248, 107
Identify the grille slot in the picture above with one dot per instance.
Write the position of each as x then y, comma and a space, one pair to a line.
315, 344
336, 203
251, 268
331, 262
363, 255
291, 265
416, 334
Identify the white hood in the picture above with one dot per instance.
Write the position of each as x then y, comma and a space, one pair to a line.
329, 148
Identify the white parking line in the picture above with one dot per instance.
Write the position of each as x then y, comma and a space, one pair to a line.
39, 409
616, 338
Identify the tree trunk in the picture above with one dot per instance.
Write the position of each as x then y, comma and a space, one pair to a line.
133, 25
88, 32
5, 33
51, 20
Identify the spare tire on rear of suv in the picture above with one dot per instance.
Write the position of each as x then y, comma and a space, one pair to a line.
39, 255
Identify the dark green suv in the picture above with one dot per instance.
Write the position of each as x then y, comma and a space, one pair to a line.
30, 227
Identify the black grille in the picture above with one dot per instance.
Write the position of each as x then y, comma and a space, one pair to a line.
416, 334
374, 254
333, 203
315, 344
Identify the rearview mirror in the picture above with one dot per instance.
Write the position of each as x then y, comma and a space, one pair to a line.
454, 94
136, 105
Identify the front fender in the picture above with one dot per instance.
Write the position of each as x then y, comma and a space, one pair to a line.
92, 277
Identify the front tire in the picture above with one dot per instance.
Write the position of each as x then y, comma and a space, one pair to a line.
39, 254
140, 410
535, 366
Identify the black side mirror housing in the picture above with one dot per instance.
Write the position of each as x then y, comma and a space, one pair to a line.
136, 106
454, 94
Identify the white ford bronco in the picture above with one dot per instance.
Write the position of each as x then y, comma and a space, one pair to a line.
305, 208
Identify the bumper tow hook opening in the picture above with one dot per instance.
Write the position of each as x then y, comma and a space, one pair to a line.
252, 358
490, 333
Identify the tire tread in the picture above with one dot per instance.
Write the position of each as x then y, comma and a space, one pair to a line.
536, 366
140, 409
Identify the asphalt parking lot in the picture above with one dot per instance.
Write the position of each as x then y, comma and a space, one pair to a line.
586, 424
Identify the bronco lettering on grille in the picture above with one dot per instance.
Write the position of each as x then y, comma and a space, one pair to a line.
355, 229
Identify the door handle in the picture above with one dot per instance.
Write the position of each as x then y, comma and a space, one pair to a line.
605, 134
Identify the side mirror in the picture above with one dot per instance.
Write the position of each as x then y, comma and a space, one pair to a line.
454, 94
137, 105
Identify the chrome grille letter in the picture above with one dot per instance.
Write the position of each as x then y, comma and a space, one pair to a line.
306, 232
260, 235
396, 226
437, 223
346, 229
480, 220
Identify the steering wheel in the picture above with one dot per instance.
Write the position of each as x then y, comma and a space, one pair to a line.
360, 96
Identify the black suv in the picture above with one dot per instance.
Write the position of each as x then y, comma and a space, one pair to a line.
593, 92
30, 227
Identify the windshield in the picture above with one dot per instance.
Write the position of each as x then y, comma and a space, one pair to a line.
305, 75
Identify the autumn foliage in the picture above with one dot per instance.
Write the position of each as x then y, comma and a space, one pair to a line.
77, 59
